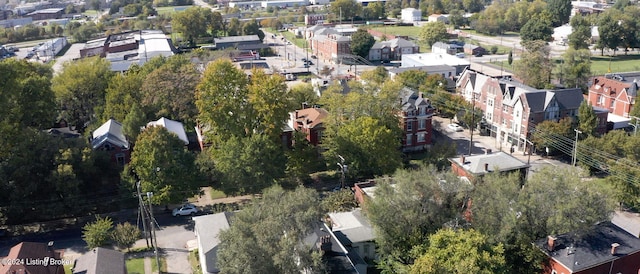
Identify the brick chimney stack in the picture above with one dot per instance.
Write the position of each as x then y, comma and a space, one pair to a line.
551, 243
486, 166
462, 159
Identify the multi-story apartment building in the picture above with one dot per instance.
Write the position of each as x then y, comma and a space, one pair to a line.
330, 43
512, 109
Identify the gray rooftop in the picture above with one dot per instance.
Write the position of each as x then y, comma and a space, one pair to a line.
497, 161
578, 253
100, 261
208, 229
353, 225
427, 69
236, 39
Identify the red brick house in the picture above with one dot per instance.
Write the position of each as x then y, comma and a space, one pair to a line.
109, 137
475, 166
328, 43
615, 92
415, 120
33, 258
607, 248
309, 121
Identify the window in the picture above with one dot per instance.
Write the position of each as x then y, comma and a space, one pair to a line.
421, 137
409, 126
120, 159
600, 100
423, 110
517, 113
554, 272
611, 103
409, 139
366, 250
490, 103
504, 122
422, 124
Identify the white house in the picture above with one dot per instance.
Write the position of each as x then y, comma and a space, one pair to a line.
172, 126
434, 59
411, 15
207, 229
356, 230
444, 18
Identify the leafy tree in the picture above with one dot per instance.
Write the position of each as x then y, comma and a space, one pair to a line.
268, 99
164, 166
510, 58
303, 158
460, 251
339, 201
576, 68
534, 66
368, 145
610, 30
538, 29
457, 19
421, 216
348, 9
630, 24
248, 165
581, 32
97, 233
433, 32
621, 4
125, 235
221, 100
267, 236
548, 134
377, 76
361, 43
587, 119
133, 122
375, 10
80, 90
412, 78
560, 11
302, 93
252, 27
169, 91
233, 28
473, 6
192, 23
123, 91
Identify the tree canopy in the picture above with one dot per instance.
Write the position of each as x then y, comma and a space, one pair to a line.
267, 236
361, 43
534, 66
433, 32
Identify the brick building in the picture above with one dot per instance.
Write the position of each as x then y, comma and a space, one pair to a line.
415, 120
615, 92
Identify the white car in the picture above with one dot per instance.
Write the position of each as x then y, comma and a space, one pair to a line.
455, 127
184, 210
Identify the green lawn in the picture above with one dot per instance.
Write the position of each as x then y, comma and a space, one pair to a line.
216, 194
194, 262
411, 31
135, 266
619, 63
163, 264
172, 9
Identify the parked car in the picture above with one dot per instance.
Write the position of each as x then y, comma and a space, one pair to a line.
184, 210
454, 127
309, 62
314, 57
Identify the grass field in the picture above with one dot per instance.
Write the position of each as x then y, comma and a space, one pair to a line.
170, 10
619, 63
135, 266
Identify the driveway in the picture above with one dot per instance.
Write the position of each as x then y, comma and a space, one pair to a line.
72, 53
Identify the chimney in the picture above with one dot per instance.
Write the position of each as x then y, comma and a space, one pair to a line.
486, 166
488, 151
614, 247
420, 94
305, 105
462, 159
296, 114
325, 243
551, 242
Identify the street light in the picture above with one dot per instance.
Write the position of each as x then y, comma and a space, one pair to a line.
575, 147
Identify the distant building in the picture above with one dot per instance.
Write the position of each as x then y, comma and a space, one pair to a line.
354, 230
474, 50
314, 19
309, 121
284, 3
445, 48
46, 14
444, 18
392, 49
411, 15
434, 59
236, 41
616, 92
49, 49
128, 48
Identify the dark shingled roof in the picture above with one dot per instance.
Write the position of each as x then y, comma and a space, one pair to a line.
579, 253
100, 261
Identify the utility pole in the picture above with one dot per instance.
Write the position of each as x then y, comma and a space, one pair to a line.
575, 147
153, 232
142, 213
635, 128
343, 170
473, 118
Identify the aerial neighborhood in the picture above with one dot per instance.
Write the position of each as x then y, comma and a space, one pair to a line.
319, 136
